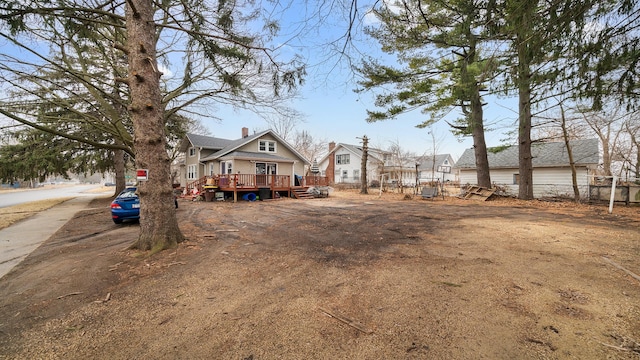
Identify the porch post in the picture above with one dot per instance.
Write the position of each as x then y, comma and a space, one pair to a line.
235, 188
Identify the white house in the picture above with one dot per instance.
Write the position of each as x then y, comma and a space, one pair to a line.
551, 169
342, 164
440, 167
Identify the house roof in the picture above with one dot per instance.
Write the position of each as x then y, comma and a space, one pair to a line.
375, 154
202, 141
246, 155
429, 162
550, 154
233, 145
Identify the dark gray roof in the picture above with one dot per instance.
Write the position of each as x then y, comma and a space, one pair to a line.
205, 142
235, 144
550, 154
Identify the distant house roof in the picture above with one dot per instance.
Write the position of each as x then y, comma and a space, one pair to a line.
429, 162
372, 153
550, 154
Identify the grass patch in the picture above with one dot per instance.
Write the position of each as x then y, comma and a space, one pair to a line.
12, 214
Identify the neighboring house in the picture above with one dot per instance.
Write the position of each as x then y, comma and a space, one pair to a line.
343, 163
436, 167
258, 159
551, 170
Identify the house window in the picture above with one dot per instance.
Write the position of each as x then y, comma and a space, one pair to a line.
192, 172
345, 174
356, 174
342, 159
192, 151
267, 146
211, 169
266, 168
323, 173
516, 179
446, 162
226, 167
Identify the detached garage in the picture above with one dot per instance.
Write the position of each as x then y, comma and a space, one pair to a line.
551, 169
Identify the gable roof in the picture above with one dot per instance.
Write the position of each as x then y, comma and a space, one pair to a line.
429, 162
373, 153
204, 142
233, 145
549, 154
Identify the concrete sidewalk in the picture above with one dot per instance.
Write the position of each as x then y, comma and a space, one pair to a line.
20, 239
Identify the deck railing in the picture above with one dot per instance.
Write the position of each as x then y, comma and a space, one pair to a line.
252, 181
316, 181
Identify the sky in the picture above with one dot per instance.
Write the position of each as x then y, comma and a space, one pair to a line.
334, 112
338, 115
331, 110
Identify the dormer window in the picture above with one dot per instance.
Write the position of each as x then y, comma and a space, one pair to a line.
267, 146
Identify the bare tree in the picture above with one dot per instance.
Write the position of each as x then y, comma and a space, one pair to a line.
284, 123
308, 146
608, 126
402, 164
633, 128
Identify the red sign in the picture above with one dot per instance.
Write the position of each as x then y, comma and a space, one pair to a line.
142, 174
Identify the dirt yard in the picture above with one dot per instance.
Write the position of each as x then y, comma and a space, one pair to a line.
348, 277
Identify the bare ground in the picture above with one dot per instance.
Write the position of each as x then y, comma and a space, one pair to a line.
349, 277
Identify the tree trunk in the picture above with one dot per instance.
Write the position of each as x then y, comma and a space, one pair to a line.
574, 177
158, 223
363, 165
637, 164
479, 144
475, 116
119, 168
525, 188
606, 154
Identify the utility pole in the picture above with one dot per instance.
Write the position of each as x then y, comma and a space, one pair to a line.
363, 164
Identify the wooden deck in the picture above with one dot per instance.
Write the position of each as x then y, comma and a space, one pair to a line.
240, 184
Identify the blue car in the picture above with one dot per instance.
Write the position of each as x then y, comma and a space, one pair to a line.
126, 206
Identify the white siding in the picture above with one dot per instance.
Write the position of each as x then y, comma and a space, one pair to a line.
428, 175
546, 181
354, 164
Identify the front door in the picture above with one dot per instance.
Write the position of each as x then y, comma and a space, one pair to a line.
263, 170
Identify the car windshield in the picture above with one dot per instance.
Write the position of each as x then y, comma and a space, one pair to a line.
129, 193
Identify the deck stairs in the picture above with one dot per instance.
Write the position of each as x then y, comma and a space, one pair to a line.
301, 194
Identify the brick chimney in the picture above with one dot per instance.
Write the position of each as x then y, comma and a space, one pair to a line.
331, 167
245, 132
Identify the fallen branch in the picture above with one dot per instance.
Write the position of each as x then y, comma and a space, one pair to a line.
106, 298
621, 268
354, 324
176, 263
70, 294
114, 267
614, 347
